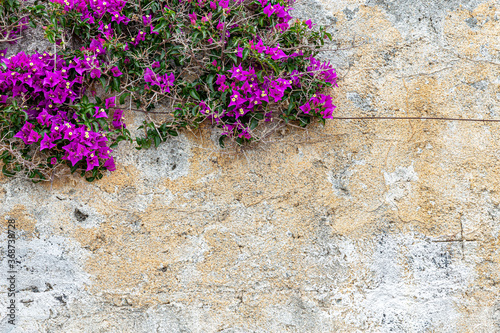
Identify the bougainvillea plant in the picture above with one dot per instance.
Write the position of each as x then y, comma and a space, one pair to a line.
236, 64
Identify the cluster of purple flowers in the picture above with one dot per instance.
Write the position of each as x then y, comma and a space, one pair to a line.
93, 10
83, 142
281, 12
40, 75
275, 52
163, 81
44, 81
323, 71
319, 104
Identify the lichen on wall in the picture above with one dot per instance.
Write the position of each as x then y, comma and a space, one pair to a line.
361, 225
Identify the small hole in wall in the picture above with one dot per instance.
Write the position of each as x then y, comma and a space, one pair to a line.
80, 217
174, 167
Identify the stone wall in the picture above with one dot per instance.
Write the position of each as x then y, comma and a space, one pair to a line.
358, 226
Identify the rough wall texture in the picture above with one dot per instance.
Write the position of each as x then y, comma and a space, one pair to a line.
376, 226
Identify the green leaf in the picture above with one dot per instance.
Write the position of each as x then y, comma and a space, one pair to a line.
116, 84
245, 54
122, 98
194, 94
103, 82
157, 141
254, 123
210, 81
233, 57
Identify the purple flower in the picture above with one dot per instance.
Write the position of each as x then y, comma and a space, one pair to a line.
220, 79
155, 64
228, 129
269, 10
110, 102
106, 29
146, 20
116, 17
44, 118
223, 87
193, 18
46, 142
140, 37
95, 73
110, 164
92, 161
52, 78
245, 133
74, 152
27, 134
53, 160
117, 119
150, 77
238, 73
152, 30
100, 113
224, 3
305, 108
116, 71
240, 52
96, 46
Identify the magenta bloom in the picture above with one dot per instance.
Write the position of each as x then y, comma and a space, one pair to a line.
75, 152
92, 161
245, 133
269, 10
96, 46
117, 119
46, 142
110, 164
309, 24
140, 37
95, 73
238, 73
305, 108
224, 3
116, 72
100, 113
239, 52
44, 118
193, 18
118, 18
110, 102
52, 79
146, 20
27, 134
220, 79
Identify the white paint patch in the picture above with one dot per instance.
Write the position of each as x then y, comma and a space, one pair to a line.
49, 278
399, 183
408, 284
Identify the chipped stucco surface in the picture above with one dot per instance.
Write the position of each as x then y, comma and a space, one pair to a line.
376, 226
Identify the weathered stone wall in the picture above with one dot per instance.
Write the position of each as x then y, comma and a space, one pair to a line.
376, 226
